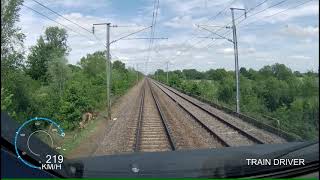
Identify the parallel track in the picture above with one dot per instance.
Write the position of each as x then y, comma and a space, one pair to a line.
212, 129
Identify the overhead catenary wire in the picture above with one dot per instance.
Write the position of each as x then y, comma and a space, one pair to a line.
251, 9
274, 5
51, 19
222, 27
155, 20
220, 12
280, 12
62, 16
272, 15
75, 22
153, 25
213, 17
85, 28
293, 7
129, 34
65, 26
251, 15
194, 35
203, 40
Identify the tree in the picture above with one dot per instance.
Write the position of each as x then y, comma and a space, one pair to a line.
274, 90
226, 92
178, 73
37, 63
6, 101
58, 73
281, 72
51, 46
11, 38
94, 64
174, 80
243, 70
56, 40
192, 74
217, 75
276, 93
119, 65
15, 92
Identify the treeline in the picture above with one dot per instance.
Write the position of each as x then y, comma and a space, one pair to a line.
274, 94
43, 84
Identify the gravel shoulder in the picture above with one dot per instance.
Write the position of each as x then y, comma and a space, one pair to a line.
186, 132
263, 135
106, 136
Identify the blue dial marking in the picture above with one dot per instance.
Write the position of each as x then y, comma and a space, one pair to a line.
24, 124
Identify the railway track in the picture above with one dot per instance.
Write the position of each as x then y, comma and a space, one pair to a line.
152, 131
226, 133
156, 117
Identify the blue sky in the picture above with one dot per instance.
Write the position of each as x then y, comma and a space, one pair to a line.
290, 37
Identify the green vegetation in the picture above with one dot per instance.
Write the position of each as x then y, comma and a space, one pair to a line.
290, 98
43, 84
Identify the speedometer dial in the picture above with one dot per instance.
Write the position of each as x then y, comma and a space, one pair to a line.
35, 133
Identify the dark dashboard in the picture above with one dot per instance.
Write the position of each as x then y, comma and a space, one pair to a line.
210, 163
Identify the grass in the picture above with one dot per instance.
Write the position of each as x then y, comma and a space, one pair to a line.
73, 138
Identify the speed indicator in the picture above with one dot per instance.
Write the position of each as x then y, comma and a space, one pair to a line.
32, 136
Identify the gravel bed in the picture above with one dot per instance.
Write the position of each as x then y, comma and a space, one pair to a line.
153, 137
185, 131
118, 130
225, 132
263, 135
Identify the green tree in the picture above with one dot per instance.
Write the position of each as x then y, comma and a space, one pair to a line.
192, 74
292, 98
58, 73
16, 86
217, 75
51, 46
226, 92
119, 65
11, 38
94, 64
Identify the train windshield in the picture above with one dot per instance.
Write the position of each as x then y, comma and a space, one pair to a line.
160, 79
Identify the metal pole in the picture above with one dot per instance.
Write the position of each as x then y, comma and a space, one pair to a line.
108, 63
235, 46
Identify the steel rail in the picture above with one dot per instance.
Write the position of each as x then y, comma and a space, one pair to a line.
163, 120
223, 142
254, 139
139, 123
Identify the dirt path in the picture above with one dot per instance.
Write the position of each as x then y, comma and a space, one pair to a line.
102, 136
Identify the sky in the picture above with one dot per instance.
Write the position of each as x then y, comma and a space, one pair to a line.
265, 37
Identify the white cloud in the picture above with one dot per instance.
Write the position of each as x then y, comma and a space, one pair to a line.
242, 51
226, 51
181, 49
249, 38
78, 3
301, 57
81, 44
249, 50
299, 31
306, 10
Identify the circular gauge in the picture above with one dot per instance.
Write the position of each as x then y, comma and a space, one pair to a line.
39, 138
